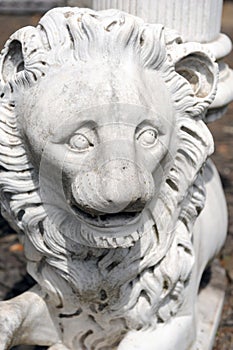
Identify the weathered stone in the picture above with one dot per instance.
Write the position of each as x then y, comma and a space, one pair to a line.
103, 153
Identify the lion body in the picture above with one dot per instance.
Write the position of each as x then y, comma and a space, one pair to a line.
104, 176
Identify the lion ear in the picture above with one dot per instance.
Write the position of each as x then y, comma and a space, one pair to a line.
199, 69
24, 51
12, 60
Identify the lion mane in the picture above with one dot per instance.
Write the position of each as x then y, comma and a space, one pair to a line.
75, 35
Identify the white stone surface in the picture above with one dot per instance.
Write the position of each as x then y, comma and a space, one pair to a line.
102, 155
195, 20
209, 308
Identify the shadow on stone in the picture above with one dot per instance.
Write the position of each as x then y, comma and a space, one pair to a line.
205, 279
26, 347
20, 287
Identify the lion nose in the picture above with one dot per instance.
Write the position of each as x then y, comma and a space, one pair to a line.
121, 185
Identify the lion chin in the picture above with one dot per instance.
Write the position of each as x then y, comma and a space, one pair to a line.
102, 230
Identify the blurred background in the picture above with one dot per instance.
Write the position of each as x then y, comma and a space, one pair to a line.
13, 277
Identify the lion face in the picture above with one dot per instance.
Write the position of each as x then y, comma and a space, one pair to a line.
98, 112
107, 147
101, 122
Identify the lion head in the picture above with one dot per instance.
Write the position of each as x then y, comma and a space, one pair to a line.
102, 137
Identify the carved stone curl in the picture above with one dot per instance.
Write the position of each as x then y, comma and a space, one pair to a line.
104, 174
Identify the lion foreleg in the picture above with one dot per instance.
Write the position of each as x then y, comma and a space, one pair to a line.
176, 334
26, 320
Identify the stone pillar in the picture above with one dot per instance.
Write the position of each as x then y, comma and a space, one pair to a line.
196, 21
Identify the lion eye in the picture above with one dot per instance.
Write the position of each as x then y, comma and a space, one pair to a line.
79, 142
148, 137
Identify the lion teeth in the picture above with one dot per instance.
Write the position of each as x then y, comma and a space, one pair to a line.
135, 235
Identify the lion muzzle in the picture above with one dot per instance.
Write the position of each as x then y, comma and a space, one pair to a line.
119, 188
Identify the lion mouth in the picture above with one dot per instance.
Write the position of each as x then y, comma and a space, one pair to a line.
106, 220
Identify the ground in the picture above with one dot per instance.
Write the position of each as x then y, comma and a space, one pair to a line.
13, 277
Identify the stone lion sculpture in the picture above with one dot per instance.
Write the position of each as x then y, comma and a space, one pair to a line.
104, 174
